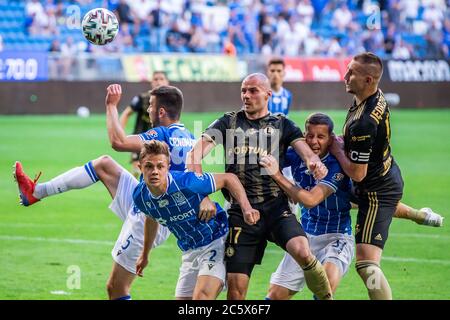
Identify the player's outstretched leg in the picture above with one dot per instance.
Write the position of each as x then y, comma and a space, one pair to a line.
424, 216
76, 178
315, 276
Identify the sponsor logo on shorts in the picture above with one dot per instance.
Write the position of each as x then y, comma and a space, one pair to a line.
378, 237
210, 266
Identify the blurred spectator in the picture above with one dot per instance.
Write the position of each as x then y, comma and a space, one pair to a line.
401, 51
228, 48
306, 11
55, 65
158, 29
124, 12
434, 38
69, 50
341, 17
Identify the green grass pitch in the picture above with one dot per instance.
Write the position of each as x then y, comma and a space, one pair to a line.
39, 245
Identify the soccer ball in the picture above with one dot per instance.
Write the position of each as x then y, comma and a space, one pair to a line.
100, 26
83, 112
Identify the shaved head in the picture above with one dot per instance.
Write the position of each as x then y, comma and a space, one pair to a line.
260, 78
372, 65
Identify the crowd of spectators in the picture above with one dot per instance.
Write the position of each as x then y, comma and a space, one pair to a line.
400, 29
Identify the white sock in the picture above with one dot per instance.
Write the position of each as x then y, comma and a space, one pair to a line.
76, 178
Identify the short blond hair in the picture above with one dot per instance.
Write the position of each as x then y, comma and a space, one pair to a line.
154, 147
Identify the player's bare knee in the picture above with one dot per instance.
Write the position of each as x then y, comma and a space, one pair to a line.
298, 248
102, 162
279, 293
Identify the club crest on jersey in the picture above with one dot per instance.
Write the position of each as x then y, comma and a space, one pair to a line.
269, 130
152, 134
179, 198
163, 203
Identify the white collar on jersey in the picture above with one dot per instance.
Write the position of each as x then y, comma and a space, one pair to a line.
325, 157
176, 124
169, 181
279, 92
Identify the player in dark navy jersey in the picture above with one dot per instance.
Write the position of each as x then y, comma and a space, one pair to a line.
247, 135
172, 199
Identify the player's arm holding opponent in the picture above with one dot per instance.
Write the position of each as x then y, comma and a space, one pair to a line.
356, 165
150, 231
116, 133
309, 199
315, 166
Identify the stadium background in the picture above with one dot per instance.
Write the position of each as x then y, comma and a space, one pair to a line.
48, 70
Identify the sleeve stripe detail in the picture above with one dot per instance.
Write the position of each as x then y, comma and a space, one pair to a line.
212, 181
329, 184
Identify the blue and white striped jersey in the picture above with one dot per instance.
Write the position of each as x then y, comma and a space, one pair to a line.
280, 102
178, 208
333, 214
179, 139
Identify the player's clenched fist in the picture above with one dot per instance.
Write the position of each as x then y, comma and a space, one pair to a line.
251, 216
318, 170
113, 94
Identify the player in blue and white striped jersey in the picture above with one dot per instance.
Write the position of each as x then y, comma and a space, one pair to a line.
325, 211
165, 110
281, 98
172, 199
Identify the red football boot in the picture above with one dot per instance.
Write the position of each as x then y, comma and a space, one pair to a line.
26, 185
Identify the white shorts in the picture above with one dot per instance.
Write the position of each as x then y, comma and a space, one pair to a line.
203, 261
336, 248
129, 245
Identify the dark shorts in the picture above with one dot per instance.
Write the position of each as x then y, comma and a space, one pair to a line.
245, 244
376, 208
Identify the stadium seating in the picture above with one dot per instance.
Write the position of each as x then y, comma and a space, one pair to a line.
22, 32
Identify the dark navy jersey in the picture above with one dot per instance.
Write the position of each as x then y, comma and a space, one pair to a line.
179, 139
333, 214
178, 208
245, 141
140, 104
367, 135
280, 102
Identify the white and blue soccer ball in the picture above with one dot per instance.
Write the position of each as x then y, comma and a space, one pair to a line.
100, 26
